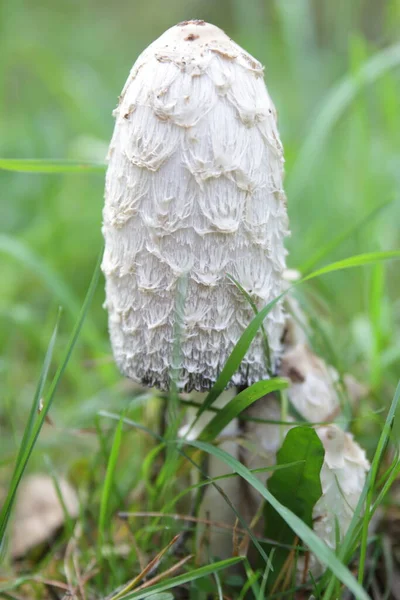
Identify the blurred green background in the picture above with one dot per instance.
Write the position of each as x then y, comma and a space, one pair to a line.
332, 69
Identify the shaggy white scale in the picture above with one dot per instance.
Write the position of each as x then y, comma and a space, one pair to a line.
194, 189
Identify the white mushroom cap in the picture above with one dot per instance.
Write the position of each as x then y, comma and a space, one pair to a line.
312, 391
194, 188
343, 477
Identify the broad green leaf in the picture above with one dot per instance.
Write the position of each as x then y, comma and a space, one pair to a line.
298, 488
325, 555
242, 401
50, 166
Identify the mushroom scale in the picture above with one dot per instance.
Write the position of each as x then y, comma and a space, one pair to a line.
193, 189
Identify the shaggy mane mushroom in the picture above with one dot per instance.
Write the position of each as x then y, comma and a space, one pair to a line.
194, 189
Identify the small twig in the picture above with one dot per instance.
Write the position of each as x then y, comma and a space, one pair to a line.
67, 558
204, 538
167, 573
52, 583
209, 522
78, 576
285, 571
153, 564
195, 504
182, 518
90, 573
244, 546
140, 555
306, 567
235, 541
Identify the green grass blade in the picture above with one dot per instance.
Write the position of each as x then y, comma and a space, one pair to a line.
352, 536
213, 409
383, 441
50, 166
394, 473
68, 520
252, 582
24, 445
241, 347
242, 401
376, 305
307, 535
339, 98
20, 468
236, 357
14, 248
340, 238
253, 305
182, 579
168, 507
359, 260
14, 583
179, 443
108, 486
39, 391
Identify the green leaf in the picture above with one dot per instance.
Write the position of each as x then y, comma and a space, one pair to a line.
359, 260
325, 555
50, 166
182, 579
298, 488
242, 401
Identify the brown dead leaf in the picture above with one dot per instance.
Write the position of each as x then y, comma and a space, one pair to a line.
39, 513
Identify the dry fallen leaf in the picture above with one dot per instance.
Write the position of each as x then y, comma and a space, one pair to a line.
39, 513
